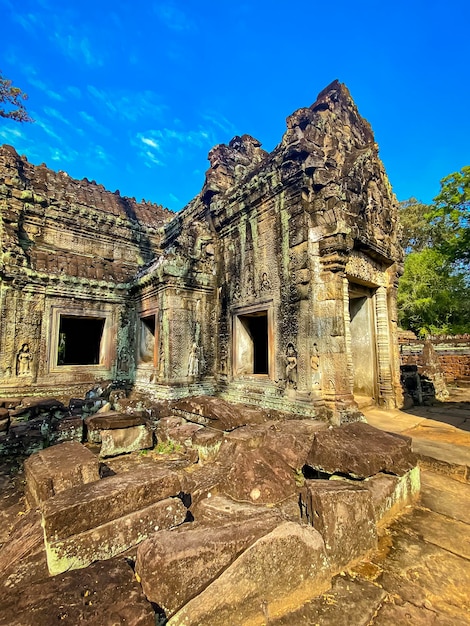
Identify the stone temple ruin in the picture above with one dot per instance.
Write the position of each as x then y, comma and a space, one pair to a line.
241, 336
275, 285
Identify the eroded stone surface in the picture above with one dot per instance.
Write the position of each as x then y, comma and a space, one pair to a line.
124, 440
111, 538
56, 469
104, 593
91, 505
361, 450
249, 593
175, 566
343, 514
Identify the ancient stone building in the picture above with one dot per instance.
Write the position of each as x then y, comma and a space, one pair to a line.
275, 286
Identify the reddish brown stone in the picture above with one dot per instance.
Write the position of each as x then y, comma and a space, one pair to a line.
174, 566
360, 450
113, 537
91, 505
104, 593
343, 514
292, 440
56, 469
259, 476
277, 574
124, 440
109, 421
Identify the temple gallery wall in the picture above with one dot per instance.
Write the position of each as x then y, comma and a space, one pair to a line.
275, 286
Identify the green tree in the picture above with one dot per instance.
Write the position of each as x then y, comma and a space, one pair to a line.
417, 232
434, 291
450, 214
432, 297
11, 101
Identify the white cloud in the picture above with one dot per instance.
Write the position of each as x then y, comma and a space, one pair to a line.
172, 17
77, 47
50, 112
150, 142
130, 106
46, 128
62, 155
100, 154
150, 158
89, 119
74, 91
221, 123
39, 84
10, 134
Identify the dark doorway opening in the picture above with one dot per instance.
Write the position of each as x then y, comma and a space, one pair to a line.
80, 340
255, 334
147, 339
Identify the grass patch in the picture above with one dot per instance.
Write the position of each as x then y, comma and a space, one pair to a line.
168, 447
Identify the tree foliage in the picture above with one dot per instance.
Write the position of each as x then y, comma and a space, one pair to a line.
451, 215
432, 297
434, 291
12, 101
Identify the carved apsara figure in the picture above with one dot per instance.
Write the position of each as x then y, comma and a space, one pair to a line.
265, 282
193, 363
315, 364
23, 361
291, 366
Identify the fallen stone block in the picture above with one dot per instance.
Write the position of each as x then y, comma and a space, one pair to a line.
176, 430
277, 574
259, 476
90, 505
105, 593
293, 439
125, 440
343, 514
10, 403
111, 420
391, 494
114, 537
99, 520
58, 468
207, 442
175, 566
4, 421
360, 450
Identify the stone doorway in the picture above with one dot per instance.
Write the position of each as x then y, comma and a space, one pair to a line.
147, 343
251, 345
363, 340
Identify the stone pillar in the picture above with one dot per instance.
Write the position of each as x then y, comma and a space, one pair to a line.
329, 303
384, 345
394, 272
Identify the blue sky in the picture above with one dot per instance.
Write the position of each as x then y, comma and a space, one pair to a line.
134, 94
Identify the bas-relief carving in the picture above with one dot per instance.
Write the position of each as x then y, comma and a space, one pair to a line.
23, 361
265, 283
193, 361
291, 366
315, 366
365, 269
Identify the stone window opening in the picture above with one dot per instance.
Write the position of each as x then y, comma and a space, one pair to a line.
147, 340
80, 340
252, 344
